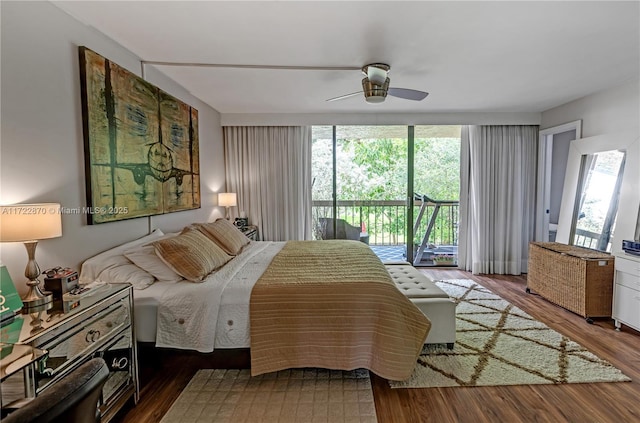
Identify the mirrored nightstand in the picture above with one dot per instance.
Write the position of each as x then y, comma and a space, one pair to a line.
250, 232
98, 323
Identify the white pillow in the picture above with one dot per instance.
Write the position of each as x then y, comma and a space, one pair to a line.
127, 273
145, 257
95, 265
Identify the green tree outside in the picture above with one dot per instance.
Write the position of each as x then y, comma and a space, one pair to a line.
375, 169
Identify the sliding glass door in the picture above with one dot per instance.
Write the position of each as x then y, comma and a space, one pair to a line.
323, 177
384, 185
371, 186
436, 181
365, 197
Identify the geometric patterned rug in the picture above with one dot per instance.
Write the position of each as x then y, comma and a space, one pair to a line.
499, 344
297, 395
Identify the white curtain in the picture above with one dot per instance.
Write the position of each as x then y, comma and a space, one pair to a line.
270, 170
497, 198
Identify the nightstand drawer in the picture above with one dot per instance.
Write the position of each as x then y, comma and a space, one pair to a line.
627, 279
89, 335
627, 305
118, 356
250, 232
628, 265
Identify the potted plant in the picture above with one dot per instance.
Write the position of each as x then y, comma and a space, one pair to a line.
444, 260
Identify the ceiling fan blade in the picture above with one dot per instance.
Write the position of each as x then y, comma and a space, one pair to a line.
345, 96
407, 94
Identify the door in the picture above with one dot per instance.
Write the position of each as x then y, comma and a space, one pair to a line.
552, 159
360, 186
384, 185
436, 195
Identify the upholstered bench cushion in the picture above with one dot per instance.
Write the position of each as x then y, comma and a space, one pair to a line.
413, 283
430, 299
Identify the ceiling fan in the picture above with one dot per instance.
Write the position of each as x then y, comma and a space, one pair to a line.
375, 86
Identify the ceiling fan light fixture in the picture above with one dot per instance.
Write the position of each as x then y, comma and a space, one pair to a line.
376, 72
375, 86
374, 99
374, 93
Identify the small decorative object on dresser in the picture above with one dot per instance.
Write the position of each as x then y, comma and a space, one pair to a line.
575, 278
60, 280
631, 247
626, 291
10, 302
241, 222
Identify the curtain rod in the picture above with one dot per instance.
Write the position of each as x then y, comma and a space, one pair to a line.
236, 66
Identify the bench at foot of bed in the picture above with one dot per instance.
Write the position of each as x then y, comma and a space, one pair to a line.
430, 299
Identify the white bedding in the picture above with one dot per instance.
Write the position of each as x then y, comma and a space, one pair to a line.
232, 329
202, 317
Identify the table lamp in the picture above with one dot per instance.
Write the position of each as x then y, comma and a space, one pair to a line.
227, 199
30, 223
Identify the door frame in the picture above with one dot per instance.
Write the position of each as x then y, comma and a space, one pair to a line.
409, 248
545, 152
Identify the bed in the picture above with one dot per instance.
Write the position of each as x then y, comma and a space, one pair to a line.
328, 304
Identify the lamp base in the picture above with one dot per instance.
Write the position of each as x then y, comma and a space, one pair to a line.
36, 298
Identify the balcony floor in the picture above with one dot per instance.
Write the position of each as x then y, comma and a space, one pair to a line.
389, 252
396, 253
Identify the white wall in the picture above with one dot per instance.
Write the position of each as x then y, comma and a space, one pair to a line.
614, 110
41, 144
608, 113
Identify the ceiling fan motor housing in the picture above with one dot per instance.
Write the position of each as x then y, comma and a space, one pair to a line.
375, 86
375, 93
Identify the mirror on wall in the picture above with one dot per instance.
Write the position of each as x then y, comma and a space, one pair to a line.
600, 195
597, 197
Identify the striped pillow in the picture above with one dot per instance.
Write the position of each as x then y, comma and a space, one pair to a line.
227, 236
191, 255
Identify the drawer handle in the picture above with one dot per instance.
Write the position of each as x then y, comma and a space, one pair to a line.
119, 363
92, 336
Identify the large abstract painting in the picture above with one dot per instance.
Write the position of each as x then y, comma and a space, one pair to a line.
141, 145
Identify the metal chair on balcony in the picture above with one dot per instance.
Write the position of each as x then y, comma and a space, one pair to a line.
344, 230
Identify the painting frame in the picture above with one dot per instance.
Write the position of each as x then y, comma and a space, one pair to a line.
141, 145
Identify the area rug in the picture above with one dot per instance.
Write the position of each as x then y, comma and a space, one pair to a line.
499, 344
300, 395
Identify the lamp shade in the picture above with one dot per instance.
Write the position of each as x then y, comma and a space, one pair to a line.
30, 222
227, 199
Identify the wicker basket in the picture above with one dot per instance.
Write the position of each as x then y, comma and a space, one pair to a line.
576, 278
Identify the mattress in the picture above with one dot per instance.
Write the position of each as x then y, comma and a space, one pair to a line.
145, 310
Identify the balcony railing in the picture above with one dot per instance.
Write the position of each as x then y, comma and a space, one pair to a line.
385, 221
588, 239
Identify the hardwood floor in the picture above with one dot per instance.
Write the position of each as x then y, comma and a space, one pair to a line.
165, 373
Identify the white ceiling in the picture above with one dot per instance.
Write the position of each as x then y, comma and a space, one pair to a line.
470, 56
